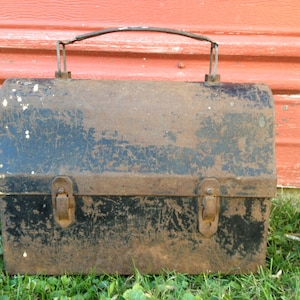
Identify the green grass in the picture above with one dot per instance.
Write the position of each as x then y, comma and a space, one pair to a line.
278, 279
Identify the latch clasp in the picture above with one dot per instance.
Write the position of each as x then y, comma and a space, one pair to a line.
63, 201
209, 205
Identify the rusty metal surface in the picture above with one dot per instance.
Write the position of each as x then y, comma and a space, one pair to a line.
136, 155
124, 134
112, 234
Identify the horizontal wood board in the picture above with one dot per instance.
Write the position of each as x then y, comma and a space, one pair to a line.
259, 41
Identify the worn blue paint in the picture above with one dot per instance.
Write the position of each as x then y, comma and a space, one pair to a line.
227, 142
54, 143
260, 98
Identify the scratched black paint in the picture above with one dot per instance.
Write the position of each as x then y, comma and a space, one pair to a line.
242, 234
118, 217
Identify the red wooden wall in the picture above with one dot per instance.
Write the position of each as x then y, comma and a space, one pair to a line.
259, 42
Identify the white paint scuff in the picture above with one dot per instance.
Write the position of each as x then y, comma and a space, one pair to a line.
35, 88
27, 134
24, 106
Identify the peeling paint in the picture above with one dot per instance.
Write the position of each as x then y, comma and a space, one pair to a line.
295, 96
176, 49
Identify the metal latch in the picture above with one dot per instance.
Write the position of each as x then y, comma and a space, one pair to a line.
209, 205
63, 201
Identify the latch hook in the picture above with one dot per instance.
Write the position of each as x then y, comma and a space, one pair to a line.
209, 205
63, 201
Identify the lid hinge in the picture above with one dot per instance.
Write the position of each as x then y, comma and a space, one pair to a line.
208, 205
63, 201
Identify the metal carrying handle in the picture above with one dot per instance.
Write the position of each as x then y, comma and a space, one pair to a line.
213, 63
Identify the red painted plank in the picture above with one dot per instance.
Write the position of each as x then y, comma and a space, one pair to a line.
281, 74
217, 16
288, 139
231, 44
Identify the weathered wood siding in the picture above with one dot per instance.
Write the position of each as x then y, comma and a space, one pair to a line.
259, 42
